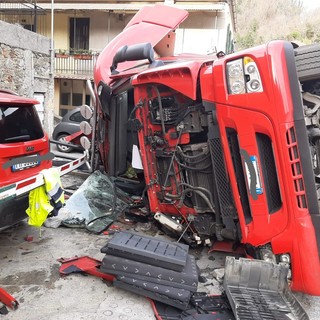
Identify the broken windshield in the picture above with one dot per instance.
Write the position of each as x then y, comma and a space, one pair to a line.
98, 201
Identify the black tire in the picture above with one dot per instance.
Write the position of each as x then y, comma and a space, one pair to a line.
317, 159
315, 156
312, 86
308, 62
62, 148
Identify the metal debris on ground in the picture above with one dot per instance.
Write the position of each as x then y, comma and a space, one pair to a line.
168, 275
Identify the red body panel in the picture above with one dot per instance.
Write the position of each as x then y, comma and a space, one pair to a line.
186, 72
14, 99
290, 229
10, 151
169, 17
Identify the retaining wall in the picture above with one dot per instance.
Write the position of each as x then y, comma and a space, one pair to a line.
25, 67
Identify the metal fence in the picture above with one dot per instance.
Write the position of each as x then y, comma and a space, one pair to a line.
75, 64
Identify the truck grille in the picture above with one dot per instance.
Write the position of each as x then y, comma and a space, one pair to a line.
237, 164
269, 172
222, 180
296, 168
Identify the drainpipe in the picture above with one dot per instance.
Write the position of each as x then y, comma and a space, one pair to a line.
35, 18
232, 5
109, 22
52, 42
49, 113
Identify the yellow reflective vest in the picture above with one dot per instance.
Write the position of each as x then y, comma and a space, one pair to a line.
53, 188
39, 206
46, 199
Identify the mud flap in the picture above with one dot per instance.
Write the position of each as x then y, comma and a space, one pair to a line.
258, 289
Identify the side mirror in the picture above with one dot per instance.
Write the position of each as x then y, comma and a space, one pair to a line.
132, 53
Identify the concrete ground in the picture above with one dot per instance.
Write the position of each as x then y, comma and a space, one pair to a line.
29, 271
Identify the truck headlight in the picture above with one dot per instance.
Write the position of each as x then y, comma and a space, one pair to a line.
235, 69
237, 87
235, 76
243, 76
285, 258
267, 255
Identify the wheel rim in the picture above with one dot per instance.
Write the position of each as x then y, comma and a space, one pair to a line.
61, 147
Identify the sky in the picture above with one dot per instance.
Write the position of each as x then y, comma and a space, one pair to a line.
311, 4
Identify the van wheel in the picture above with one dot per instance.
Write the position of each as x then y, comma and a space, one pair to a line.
308, 62
62, 148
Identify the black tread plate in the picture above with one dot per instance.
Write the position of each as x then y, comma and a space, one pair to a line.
149, 250
186, 279
182, 305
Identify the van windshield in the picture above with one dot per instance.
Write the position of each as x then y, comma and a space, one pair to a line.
19, 124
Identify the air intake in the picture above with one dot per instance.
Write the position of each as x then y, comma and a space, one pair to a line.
296, 168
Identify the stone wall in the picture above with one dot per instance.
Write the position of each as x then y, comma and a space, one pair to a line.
25, 67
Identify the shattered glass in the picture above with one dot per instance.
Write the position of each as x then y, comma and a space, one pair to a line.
98, 201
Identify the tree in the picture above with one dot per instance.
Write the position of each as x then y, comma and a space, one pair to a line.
260, 21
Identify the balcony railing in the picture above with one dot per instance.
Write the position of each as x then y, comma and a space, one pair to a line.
25, 13
76, 65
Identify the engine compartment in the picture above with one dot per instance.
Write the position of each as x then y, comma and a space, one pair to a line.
185, 175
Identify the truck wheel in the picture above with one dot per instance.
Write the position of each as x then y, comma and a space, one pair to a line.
308, 62
62, 148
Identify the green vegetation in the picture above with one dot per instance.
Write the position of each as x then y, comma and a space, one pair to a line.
259, 21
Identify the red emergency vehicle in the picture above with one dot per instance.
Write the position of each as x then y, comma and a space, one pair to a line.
24, 152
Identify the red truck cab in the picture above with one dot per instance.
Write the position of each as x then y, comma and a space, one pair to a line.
24, 151
223, 141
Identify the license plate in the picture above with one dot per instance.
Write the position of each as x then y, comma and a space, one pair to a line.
24, 165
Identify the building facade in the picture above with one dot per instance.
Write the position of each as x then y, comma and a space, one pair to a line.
81, 29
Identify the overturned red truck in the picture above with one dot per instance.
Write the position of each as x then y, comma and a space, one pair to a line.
228, 143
